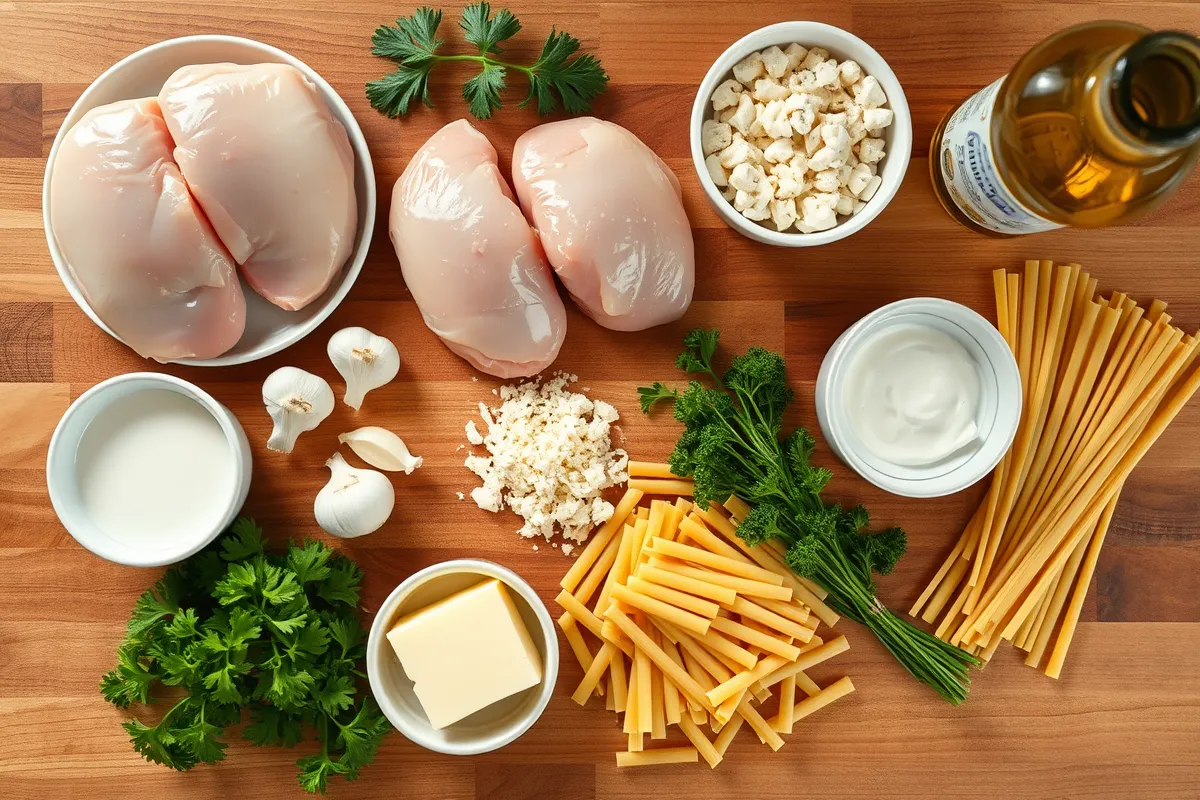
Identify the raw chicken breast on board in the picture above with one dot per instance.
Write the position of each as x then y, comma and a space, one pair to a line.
273, 170
470, 259
141, 251
610, 217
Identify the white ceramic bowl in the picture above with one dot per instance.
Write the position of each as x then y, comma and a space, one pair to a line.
489, 728
1000, 398
269, 328
63, 483
842, 45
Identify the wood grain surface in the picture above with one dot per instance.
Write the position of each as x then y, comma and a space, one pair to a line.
1124, 721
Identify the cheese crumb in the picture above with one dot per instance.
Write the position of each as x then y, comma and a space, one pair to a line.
460, 495
550, 456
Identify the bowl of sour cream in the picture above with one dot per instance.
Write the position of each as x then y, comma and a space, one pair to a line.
921, 397
146, 469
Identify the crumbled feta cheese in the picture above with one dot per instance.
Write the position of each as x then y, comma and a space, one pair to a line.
715, 136
567, 549
473, 434
794, 142
550, 456
460, 495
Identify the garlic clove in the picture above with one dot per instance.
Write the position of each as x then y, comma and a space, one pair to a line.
364, 360
381, 449
355, 501
297, 401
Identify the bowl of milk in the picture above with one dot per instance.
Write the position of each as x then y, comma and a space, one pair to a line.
146, 469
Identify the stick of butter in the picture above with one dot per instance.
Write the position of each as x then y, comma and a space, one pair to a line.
465, 652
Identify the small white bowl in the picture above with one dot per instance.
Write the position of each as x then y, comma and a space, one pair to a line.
487, 729
269, 328
63, 483
842, 45
1000, 399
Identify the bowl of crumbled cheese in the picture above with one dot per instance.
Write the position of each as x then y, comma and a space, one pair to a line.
801, 134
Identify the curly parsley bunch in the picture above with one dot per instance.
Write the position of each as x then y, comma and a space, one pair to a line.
732, 445
237, 627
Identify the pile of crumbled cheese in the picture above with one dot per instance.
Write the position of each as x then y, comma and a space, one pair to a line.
549, 458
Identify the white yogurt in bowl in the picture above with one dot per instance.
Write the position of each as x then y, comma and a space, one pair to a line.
146, 469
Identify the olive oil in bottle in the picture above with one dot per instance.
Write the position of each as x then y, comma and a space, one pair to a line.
1096, 125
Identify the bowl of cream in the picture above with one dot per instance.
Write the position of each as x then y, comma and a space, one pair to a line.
146, 469
921, 397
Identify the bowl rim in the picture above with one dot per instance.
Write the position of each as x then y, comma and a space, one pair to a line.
358, 144
377, 650
61, 449
1007, 419
786, 33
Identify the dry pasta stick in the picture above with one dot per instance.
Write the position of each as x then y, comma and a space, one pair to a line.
678, 512
599, 571
750, 636
727, 734
705, 608
618, 681
658, 714
645, 695
695, 711
570, 629
683, 583
636, 743
674, 488
742, 586
724, 564
770, 619
657, 756
588, 620
639, 537
1055, 606
599, 540
701, 742
682, 679
794, 611
650, 469
784, 721
1071, 620
838, 689
737, 507
741, 681
658, 510
760, 726
806, 684
630, 724
719, 645
657, 608
588, 685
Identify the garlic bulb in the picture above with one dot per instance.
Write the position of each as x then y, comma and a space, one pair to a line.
297, 401
365, 360
355, 502
381, 449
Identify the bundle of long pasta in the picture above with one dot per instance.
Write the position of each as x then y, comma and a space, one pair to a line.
694, 627
1102, 380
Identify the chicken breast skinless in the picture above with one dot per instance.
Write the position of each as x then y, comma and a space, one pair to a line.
609, 214
471, 261
273, 170
140, 249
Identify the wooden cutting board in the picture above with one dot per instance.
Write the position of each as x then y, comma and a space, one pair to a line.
1123, 722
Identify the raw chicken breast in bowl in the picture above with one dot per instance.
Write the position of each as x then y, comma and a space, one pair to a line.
471, 261
609, 214
297, 213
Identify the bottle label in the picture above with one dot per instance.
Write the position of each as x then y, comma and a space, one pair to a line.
969, 170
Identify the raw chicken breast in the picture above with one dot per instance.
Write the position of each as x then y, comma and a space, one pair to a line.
470, 259
271, 168
143, 254
610, 216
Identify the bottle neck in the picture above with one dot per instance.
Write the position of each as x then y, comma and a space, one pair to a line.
1153, 92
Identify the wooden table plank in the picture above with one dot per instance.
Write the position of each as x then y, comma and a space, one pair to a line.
1123, 722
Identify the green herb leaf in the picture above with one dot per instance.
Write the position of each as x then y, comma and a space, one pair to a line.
412, 44
484, 31
648, 396
310, 561
482, 92
577, 81
245, 539
130, 682
270, 726
342, 584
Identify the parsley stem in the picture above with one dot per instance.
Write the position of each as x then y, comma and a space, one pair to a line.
485, 60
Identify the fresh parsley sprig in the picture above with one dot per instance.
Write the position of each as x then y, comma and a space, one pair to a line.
560, 74
238, 627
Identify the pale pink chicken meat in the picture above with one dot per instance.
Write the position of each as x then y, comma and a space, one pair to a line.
140, 250
273, 170
610, 216
470, 259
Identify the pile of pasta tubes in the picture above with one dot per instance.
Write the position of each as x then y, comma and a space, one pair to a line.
1102, 378
691, 627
